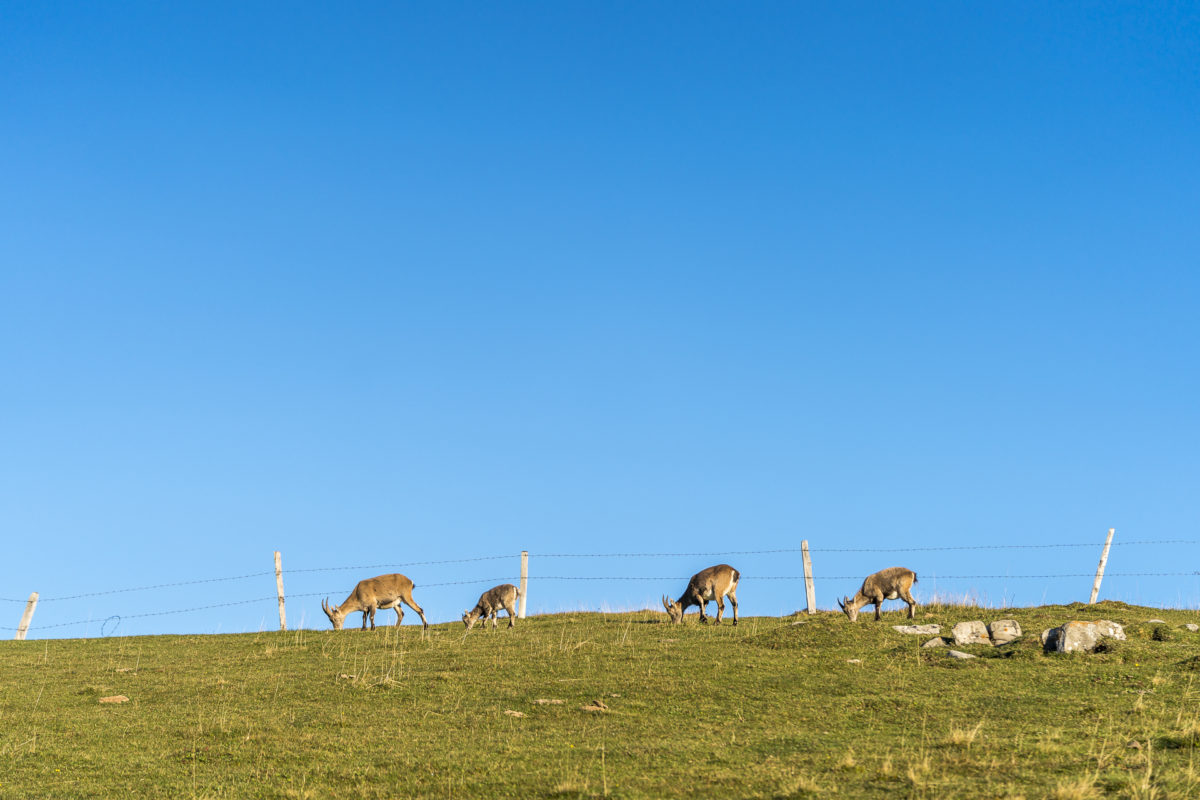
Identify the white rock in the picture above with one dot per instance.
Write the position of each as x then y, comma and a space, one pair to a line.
1191, 626
959, 654
936, 641
1004, 631
971, 633
1154, 621
1081, 636
922, 630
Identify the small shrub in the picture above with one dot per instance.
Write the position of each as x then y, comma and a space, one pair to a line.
1161, 633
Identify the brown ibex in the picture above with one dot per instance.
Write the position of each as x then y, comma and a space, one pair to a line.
704, 587
383, 591
491, 602
887, 584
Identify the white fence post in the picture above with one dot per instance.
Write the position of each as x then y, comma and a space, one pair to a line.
27, 617
1100, 569
810, 593
279, 588
524, 583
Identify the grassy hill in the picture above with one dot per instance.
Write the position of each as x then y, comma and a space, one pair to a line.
766, 709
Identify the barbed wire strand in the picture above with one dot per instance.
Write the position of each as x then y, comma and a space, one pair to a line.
405, 564
862, 549
156, 586
255, 575
160, 613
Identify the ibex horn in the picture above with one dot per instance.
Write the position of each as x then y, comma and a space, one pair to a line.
843, 605
666, 603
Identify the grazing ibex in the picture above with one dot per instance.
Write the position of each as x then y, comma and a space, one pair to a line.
384, 591
704, 587
887, 584
490, 604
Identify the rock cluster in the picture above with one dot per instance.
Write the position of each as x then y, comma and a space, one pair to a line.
1002, 631
1075, 636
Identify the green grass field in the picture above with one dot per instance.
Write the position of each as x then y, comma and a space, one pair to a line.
766, 709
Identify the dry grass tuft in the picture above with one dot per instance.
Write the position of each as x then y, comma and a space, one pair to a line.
798, 785
1083, 788
964, 737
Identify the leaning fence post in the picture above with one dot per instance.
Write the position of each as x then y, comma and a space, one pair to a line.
279, 589
27, 617
524, 583
1100, 569
810, 594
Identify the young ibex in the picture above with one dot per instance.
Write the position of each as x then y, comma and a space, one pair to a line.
704, 587
491, 602
384, 591
887, 584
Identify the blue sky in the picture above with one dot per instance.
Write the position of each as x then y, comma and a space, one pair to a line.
378, 285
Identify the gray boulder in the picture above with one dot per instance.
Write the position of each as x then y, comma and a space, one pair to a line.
936, 641
1004, 631
921, 630
1079, 636
959, 654
971, 633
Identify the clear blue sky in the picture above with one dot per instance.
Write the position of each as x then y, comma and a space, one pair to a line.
380, 283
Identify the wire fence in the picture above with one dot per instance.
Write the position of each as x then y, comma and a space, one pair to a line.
109, 624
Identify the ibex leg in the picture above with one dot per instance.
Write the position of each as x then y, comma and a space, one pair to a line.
420, 613
733, 600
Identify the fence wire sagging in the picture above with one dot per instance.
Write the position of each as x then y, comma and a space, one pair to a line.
303, 580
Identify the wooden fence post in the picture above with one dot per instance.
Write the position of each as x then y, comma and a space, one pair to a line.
27, 617
1100, 569
279, 589
810, 593
524, 584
